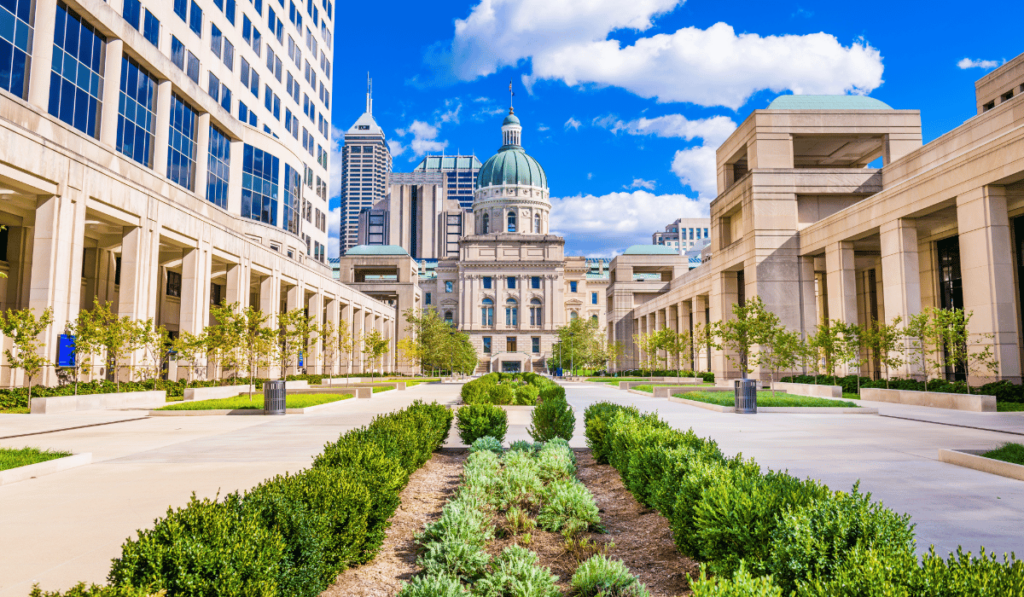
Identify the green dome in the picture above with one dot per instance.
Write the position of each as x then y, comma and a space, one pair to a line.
511, 165
510, 119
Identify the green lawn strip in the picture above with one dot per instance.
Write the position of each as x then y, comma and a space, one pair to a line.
1010, 407
1008, 453
765, 399
14, 410
417, 382
615, 379
15, 457
383, 388
851, 396
242, 402
649, 388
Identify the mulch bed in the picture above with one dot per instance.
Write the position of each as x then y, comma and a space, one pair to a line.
641, 536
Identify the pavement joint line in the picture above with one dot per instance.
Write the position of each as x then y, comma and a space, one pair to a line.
72, 428
953, 425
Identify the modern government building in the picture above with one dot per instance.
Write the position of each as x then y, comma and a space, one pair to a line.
166, 157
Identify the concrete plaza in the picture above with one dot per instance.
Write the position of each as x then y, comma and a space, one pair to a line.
66, 527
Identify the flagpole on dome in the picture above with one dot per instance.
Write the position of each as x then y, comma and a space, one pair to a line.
511, 94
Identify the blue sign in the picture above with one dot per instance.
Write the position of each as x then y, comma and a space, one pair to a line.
66, 351
300, 359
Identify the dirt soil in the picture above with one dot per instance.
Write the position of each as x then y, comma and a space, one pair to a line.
641, 536
429, 489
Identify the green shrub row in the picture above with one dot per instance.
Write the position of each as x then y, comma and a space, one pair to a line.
1004, 391
506, 389
292, 534
707, 376
762, 532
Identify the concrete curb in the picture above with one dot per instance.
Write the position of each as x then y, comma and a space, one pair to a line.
23, 473
973, 459
778, 410
221, 412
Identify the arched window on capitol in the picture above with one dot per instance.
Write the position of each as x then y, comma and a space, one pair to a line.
511, 312
535, 312
511, 221
448, 318
487, 221
573, 315
536, 223
487, 312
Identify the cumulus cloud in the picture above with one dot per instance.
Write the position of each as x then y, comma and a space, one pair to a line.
617, 220
696, 167
396, 147
710, 67
573, 124
985, 64
337, 142
639, 183
424, 139
333, 232
542, 128
713, 130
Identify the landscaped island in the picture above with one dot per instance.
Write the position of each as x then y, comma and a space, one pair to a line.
244, 402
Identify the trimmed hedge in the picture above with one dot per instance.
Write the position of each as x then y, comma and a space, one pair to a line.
481, 420
506, 389
768, 533
1004, 391
292, 534
707, 376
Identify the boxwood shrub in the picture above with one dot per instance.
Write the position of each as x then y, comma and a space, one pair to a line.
505, 389
480, 420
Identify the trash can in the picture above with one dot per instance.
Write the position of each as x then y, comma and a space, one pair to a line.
274, 397
746, 396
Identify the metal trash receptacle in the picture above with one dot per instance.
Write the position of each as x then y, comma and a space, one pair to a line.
746, 396
274, 397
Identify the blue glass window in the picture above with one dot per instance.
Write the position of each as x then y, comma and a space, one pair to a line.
195, 20
225, 97
135, 118
292, 199
535, 282
487, 281
217, 174
426, 300
260, 172
132, 12
75, 81
193, 67
181, 153
151, 29
448, 286
177, 53
511, 283
487, 345
572, 286
181, 9
593, 298
229, 10
15, 45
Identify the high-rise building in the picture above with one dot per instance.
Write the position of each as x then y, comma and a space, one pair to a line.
461, 172
683, 234
365, 168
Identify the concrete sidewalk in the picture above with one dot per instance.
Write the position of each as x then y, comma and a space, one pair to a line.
895, 459
66, 527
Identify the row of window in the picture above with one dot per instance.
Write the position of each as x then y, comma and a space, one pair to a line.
510, 222
510, 283
511, 344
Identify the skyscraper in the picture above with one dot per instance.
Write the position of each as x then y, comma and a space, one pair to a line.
365, 168
461, 172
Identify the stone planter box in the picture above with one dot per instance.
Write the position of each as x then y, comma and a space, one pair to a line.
809, 389
968, 402
794, 410
124, 400
240, 411
192, 394
39, 469
667, 391
296, 385
974, 459
629, 385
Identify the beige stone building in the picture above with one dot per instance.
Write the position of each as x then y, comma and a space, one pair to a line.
803, 221
157, 164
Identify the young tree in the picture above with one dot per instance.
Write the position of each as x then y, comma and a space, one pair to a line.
190, 348
375, 345
705, 338
750, 325
827, 340
918, 333
289, 338
154, 341
116, 336
779, 351
614, 352
345, 340
329, 333
85, 345
430, 334
972, 355
851, 347
808, 356
408, 352
307, 332
885, 341
257, 343
23, 328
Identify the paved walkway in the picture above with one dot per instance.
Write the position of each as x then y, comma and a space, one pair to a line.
896, 459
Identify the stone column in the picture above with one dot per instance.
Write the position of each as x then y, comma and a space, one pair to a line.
43, 22
683, 327
358, 320
235, 171
986, 266
195, 290
333, 317
295, 298
140, 277
238, 285
270, 305
316, 309
724, 294
368, 327
901, 278
111, 91
701, 357
162, 128
842, 282
808, 300
345, 320
202, 154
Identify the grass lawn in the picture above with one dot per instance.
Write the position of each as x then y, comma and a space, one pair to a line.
383, 388
15, 457
417, 382
650, 387
1008, 453
851, 395
765, 399
242, 402
15, 410
1010, 407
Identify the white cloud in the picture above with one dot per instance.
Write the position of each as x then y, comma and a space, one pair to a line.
333, 232
639, 183
985, 64
337, 141
709, 67
695, 166
713, 130
396, 147
542, 128
451, 113
573, 124
590, 175
617, 220
482, 99
424, 139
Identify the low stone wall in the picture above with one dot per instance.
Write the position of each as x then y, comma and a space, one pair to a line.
296, 385
668, 391
192, 394
629, 385
974, 459
968, 402
39, 469
124, 400
810, 389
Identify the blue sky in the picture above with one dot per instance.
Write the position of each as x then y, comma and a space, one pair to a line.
624, 102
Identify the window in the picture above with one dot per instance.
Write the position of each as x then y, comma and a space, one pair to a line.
487, 312
193, 67
213, 86
218, 168
259, 185
272, 102
426, 301
215, 293
225, 97
177, 53
593, 298
151, 29
195, 21
276, 25
174, 284
245, 115
487, 345
511, 221
536, 345
181, 9
135, 119
274, 64
181, 155
510, 344
536, 223
292, 198
75, 80
487, 282
535, 312
131, 12
574, 315
572, 286
511, 312
449, 318
535, 282
448, 286
593, 318
15, 45
511, 281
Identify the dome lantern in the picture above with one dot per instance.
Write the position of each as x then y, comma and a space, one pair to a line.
511, 131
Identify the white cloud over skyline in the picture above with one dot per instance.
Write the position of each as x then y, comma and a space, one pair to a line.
985, 64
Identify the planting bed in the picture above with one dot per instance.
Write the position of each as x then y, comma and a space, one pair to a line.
16, 457
765, 399
244, 403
